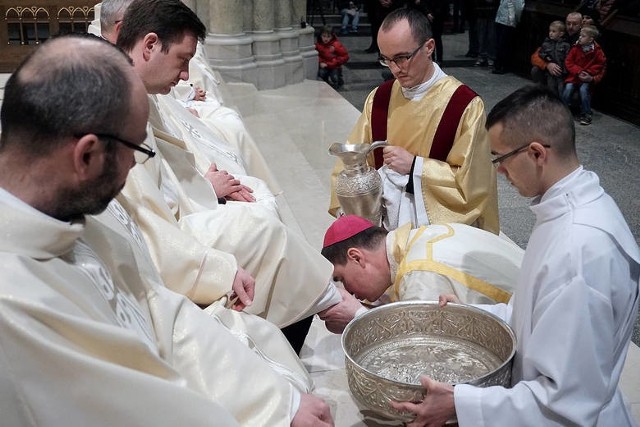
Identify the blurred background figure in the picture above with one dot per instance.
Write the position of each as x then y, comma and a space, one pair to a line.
350, 13
507, 19
471, 16
377, 10
485, 11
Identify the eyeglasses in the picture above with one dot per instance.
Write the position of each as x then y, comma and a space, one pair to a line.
399, 60
142, 152
497, 161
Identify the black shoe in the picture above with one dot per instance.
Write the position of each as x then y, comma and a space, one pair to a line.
371, 49
585, 120
297, 332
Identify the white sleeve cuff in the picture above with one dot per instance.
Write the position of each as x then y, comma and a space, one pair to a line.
421, 210
467, 403
330, 297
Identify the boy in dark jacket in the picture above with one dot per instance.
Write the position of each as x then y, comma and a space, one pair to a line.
555, 49
586, 64
331, 55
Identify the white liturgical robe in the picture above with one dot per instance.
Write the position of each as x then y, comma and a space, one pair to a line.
219, 118
573, 315
197, 244
86, 341
185, 132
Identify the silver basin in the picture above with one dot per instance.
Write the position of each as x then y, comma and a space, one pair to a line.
389, 347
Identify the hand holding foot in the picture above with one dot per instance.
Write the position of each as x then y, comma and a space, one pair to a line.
337, 316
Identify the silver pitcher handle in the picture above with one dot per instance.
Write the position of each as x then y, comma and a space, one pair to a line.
377, 144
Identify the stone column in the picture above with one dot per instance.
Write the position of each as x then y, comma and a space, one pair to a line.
298, 13
258, 41
228, 47
266, 47
306, 39
247, 20
289, 40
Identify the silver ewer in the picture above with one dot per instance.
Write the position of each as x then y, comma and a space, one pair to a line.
358, 186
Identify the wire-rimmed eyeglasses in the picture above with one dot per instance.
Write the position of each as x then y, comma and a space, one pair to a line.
400, 60
497, 161
141, 153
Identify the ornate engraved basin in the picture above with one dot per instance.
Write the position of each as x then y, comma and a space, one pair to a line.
389, 347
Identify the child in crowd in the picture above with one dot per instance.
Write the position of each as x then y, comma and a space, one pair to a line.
555, 49
331, 55
586, 64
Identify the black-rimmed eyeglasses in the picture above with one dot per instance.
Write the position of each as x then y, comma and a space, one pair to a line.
497, 161
141, 153
399, 60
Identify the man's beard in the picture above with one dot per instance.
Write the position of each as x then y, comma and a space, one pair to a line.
92, 197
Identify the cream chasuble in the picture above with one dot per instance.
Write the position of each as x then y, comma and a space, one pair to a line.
223, 121
477, 266
186, 337
174, 124
197, 244
81, 347
462, 189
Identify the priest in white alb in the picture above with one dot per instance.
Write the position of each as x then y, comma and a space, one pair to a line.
202, 248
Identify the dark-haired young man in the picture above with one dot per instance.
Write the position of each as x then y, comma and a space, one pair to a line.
577, 295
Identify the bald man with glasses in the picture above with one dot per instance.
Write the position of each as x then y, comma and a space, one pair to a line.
436, 168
